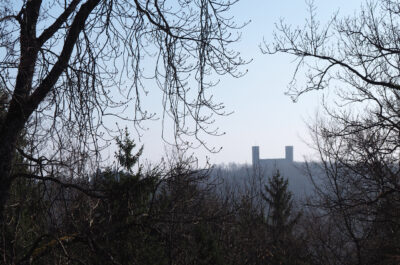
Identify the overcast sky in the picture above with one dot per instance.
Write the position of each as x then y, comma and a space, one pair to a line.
263, 115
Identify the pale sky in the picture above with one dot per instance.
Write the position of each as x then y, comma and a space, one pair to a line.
263, 115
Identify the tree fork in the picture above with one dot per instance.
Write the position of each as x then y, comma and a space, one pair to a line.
22, 105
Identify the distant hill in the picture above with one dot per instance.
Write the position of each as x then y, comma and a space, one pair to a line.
261, 169
240, 174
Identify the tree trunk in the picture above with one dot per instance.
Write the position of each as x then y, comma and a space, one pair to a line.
24, 102
8, 140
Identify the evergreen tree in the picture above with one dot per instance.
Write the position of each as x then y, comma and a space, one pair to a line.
280, 220
125, 157
124, 228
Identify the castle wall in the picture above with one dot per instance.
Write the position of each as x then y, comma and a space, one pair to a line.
299, 183
256, 161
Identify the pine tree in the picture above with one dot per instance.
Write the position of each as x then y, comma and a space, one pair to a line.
280, 219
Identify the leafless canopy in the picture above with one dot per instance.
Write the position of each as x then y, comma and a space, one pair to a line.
188, 39
65, 66
358, 136
360, 57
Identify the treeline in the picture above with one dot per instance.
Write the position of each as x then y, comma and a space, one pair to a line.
163, 215
180, 215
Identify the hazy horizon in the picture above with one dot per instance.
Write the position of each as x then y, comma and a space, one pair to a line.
263, 114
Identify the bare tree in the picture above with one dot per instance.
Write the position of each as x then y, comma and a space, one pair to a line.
358, 139
357, 187
68, 65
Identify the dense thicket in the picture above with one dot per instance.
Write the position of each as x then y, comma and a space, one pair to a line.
129, 215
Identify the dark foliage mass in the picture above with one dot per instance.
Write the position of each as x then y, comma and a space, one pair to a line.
174, 215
